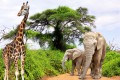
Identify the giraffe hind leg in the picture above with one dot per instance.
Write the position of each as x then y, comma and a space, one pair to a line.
16, 67
6, 68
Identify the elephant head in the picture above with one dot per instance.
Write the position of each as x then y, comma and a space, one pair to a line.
92, 41
71, 54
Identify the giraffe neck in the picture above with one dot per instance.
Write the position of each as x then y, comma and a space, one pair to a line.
21, 28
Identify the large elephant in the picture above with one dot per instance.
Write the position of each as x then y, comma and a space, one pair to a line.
77, 57
95, 50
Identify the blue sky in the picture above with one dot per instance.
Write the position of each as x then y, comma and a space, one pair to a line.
107, 14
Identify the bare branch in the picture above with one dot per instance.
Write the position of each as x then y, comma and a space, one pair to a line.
114, 46
3, 33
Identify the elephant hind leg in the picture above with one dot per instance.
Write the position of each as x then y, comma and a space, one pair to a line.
92, 66
102, 58
73, 67
78, 69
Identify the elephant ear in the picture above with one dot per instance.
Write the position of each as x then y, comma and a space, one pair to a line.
99, 42
76, 54
70, 51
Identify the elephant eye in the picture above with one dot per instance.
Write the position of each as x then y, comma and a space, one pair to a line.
91, 37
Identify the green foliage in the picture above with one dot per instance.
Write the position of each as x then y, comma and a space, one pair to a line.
32, 34
1, 67
70, 46
38, 63
64, 13
111, 65
108, 48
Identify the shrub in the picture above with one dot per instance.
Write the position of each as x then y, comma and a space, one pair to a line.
70, 46
110, 56
38, 63
111, 65
1, 67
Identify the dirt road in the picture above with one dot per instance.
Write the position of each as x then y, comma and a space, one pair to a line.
68, 77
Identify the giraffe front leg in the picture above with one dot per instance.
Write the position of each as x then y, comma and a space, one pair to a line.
5, 76
16, 68
6, 67
22, 66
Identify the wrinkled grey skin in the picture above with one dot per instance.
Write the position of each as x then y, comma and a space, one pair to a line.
77, 57
95, 50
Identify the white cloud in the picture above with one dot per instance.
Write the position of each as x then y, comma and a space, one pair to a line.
107, 13
102, 5
108, 21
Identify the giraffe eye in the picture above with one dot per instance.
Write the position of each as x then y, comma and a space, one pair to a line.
25, 9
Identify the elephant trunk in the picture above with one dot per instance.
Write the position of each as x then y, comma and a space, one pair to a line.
87, 64
65, 58
88, 55
63, 65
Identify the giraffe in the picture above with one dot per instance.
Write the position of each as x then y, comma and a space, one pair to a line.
16, 49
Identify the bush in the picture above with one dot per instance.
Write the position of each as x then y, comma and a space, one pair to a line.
38, 63
1, 67
70, 46
110, 56
111, 65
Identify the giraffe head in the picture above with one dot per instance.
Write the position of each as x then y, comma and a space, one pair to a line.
24, 9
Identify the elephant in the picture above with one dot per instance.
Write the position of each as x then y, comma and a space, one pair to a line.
95, 51
77, 57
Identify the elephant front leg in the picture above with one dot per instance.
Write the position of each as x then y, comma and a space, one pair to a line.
97, 73
100, 68
72, 70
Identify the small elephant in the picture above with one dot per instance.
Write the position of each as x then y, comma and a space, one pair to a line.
77, 57
95, 50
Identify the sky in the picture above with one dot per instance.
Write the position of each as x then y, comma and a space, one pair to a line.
107, 13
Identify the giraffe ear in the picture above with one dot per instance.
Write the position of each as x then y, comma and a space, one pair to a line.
26, 2
23, 4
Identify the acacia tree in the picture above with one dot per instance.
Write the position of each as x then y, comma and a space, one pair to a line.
59, 27
68, 25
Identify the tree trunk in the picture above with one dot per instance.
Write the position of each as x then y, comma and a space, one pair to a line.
58, 42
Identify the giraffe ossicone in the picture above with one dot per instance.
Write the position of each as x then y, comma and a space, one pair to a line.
16, 48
